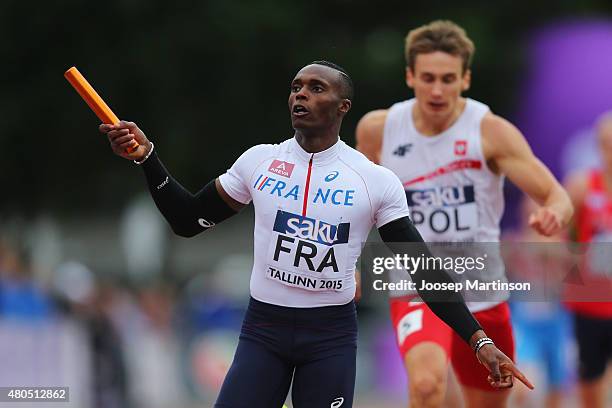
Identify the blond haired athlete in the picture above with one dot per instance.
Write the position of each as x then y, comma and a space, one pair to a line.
452, 154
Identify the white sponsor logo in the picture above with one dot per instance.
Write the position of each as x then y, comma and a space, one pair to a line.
205, 223
163, 183
313, 230
409, 324
439, 196
281, 168
336, 403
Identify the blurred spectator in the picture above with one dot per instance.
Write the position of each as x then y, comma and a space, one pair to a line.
152, 348
580, 152
591, 193
211, 314
538, 319
90, 303
20, 296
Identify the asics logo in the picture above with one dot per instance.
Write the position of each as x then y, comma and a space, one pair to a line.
336, 403
331, 176
206, 224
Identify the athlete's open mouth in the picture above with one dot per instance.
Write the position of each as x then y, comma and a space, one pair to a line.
437, 105
299, 110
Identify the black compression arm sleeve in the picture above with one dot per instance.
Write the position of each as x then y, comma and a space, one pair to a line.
448, 305
187, 214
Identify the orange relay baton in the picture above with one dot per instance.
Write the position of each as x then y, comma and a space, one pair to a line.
95, 102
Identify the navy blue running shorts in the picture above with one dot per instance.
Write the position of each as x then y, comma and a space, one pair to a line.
315, 348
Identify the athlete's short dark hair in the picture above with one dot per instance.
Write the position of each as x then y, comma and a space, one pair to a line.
348, 91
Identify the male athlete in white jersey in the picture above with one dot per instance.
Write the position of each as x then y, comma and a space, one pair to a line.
451, 154
315, 201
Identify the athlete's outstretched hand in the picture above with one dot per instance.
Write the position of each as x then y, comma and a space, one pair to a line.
546, 221
502, 369
124, 135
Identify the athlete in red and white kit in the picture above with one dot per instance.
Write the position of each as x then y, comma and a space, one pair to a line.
591, 301
452, 154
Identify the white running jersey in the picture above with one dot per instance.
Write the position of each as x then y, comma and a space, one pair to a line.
313, 212
452, 194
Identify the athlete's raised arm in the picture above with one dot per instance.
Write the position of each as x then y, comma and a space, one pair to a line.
449, 305
188, 214
507, 152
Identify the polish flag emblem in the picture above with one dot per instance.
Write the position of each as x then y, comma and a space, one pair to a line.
460, 147
282, 168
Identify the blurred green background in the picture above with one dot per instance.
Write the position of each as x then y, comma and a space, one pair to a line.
207, 79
